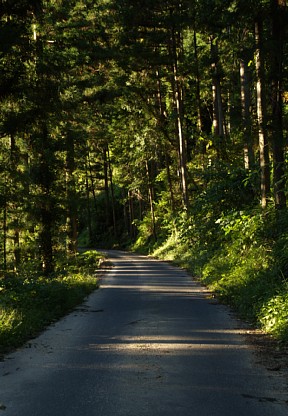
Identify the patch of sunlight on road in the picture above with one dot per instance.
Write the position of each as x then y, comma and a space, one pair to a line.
168, 344
151, 288
161, 347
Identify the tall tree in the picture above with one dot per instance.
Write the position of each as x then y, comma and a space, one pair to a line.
278, 10
262, 111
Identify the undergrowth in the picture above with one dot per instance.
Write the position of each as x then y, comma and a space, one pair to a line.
29, 302
243, 259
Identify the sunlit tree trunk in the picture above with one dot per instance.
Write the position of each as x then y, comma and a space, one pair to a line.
245, 110
178, 104
218, 115
198, 89
261, 114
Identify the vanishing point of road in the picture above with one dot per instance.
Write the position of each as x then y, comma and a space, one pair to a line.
151, 342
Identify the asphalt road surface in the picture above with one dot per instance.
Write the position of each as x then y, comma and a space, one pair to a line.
151, 342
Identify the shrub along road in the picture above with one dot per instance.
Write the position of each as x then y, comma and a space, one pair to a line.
150, 341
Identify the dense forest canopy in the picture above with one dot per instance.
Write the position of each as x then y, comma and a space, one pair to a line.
126, 121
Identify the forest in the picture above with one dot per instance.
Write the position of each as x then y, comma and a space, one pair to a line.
154, 126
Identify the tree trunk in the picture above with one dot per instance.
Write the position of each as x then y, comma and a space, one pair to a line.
5, 233
106, 187
198, 96
218, 115
112, 191
278, 10
72, 217
14, 160
92, 182
261, 113
245, 110
178, 104
89, 217
163, 126
132, 230
46, 204
151, 200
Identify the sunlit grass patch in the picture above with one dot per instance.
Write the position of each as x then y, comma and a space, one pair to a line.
29, 303
10, 321
274, 315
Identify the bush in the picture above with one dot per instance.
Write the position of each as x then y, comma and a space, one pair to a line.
274, 315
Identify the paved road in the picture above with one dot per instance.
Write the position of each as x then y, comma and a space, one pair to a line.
149, 342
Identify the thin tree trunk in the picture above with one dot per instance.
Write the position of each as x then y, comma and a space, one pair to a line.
218, 116
198, 89
47, 217
163, 122
278, 9
106, 187
178, 103
72, 218
14, 160
112, 190
88, 208
151, 201
131, 215
261, 114
45, 154
5, 233
245, 110
169, 179
92, 182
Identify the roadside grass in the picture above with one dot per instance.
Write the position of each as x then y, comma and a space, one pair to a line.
29, 302
246, 266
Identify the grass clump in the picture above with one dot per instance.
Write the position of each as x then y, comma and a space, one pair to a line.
30, 302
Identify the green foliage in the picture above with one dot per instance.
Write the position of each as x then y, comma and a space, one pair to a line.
145, 241
28, 302
274, 315
241, 256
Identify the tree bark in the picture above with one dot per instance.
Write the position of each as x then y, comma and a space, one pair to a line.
245, 110
151, 200
112, 191
178, 104
106, 187
72, 217
46, 204
89, 216
14, 160
218, 115
198, 89
278, 11
261, 113
163, 127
